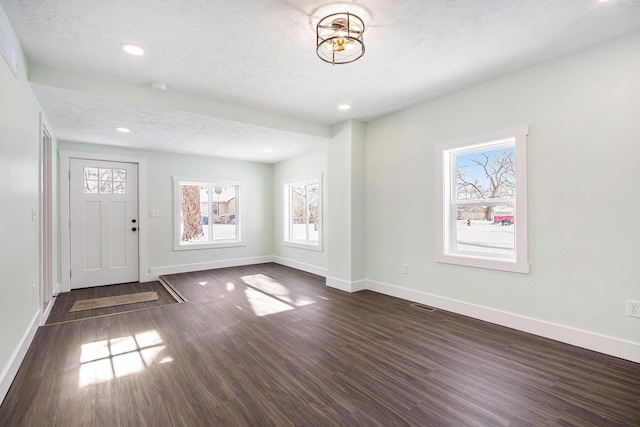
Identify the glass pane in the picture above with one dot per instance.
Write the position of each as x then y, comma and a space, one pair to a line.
119, 174
486, 229
193, 205
223, 212
106, 174
119, 187
312, 230
105, 187
298, 212
90, 173
298, 231
204, 213
224, 231
487, 174
90, 186
298, 208
314, 211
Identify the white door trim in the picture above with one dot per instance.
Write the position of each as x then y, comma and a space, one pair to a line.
46, 215
65, 243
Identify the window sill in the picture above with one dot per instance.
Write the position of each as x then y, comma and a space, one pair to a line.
208, 245
482, 262
301, 245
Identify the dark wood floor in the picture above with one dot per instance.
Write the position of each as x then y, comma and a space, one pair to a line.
271, 346
64, 302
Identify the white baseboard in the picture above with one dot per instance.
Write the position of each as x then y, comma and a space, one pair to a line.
54, 294
155, 273
47, 311
340, 284
602, 344
301, 266
359, 285
345, 285
10, 371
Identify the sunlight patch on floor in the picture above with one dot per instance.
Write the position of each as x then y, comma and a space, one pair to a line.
276, 290
106, 360
264, 305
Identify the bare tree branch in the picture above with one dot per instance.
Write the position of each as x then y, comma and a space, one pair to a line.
496, 180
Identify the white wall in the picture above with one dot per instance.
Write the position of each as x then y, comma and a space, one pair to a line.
309, 165
583, 113
345, 196
20, 311
161, 168
357, 201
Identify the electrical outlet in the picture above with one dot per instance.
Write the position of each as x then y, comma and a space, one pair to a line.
215, 253
405, 268
301, 255
633, 308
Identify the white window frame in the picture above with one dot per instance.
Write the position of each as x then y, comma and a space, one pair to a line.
446, 208
288, 218
178, 245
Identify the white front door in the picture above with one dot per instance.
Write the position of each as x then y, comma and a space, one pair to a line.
103, 203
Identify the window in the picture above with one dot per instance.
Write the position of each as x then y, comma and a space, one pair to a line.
207, 213
482, 202
303, 225
104, 180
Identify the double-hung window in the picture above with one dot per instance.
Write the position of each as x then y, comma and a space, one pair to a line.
482, 202
207, 213
302, 207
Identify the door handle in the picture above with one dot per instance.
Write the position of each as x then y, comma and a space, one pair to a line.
134, 229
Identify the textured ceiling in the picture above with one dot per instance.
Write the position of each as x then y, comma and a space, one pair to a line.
83, 117
257, 58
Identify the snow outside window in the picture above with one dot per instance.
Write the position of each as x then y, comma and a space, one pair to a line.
303, 225
482, 202
207, 213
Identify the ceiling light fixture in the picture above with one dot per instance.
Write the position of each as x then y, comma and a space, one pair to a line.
123, 129
344, 106
339, 38
132, 49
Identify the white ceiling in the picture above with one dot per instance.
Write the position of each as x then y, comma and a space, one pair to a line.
242, 75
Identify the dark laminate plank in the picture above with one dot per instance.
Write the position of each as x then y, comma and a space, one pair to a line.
64, 301
268, 345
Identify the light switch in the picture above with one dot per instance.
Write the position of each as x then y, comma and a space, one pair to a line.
33, 214
154, 212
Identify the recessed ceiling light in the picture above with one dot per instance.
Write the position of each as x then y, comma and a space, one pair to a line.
132, 49
159, 85
344, 106
123, 129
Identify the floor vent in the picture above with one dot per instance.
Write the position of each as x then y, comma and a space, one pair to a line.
422, 307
